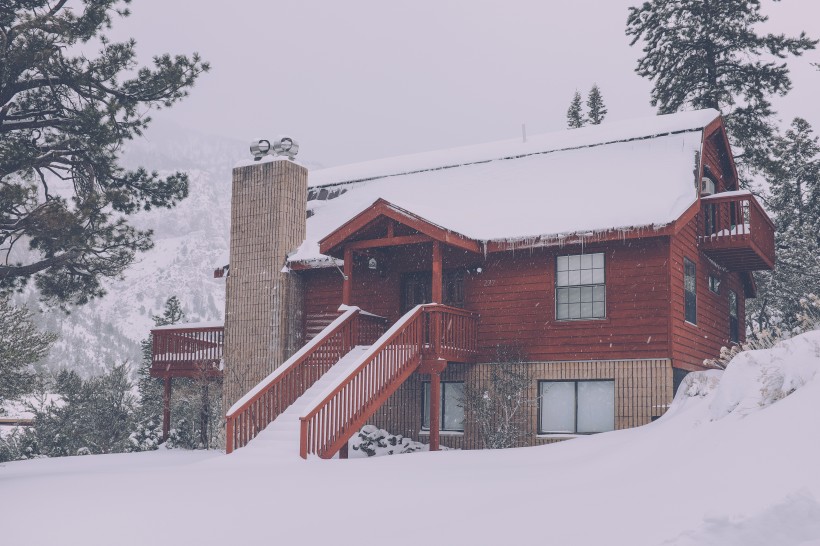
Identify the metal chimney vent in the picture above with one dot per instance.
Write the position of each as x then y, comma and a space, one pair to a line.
284, 146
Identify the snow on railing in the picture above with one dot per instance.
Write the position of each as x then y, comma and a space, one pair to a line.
344, 407
271, 396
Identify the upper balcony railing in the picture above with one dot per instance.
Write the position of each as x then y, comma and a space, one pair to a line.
187, 350
736, 232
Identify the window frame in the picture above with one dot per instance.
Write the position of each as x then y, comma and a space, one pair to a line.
425, 387
540, 430
592, 285
734, 326
713, 280
686, 292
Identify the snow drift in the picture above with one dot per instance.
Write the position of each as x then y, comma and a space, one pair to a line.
733, 462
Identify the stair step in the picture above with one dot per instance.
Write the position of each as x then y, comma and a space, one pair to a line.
281, 437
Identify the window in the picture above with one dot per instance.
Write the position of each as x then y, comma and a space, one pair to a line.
576, 407
690, 301
714, 284
734, 334
452, 410
580, 289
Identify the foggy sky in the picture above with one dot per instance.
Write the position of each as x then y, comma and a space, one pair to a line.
366, 79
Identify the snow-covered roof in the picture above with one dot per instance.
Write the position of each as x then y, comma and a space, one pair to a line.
618, 175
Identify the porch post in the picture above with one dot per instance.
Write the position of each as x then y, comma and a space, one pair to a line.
166, 408
435, 409
437, 274
348, 271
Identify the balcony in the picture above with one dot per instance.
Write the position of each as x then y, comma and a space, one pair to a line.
187, 350
736, 232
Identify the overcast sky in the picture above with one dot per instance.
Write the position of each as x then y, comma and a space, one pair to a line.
360, 80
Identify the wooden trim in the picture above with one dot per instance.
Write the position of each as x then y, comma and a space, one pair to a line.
389, 241
437, 288
383, 208
644, 232
347, 281
435, 410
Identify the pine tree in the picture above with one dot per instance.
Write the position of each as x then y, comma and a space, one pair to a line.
595, 106
707, 54
64, 116
575, 116
21, 345
793, 171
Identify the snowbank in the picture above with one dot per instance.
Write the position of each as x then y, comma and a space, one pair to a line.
733, 463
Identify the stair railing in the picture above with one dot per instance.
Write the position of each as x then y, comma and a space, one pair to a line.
384, 367
271, 396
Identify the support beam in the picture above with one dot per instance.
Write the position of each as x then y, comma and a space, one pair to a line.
348, 271
166, 408
343, 452
435, 410
437, 292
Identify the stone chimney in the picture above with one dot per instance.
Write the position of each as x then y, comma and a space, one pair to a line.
263, 305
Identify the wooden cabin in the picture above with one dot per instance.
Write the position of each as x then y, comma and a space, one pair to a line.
610, 260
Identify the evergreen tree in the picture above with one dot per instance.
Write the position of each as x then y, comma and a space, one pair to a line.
575, 117
149, 412
64, 116
21, 345
595, 106
93, 416
793, 170
707, 54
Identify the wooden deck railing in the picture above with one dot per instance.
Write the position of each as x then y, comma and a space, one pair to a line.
736, 220
265, 402
181, 350
424, 330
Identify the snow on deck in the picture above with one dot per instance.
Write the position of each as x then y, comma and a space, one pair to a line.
614, 176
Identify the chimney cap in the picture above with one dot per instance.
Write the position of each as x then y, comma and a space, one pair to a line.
281, 146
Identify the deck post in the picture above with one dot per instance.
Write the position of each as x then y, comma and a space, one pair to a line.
348, 274
437, 290
435, 409
343, 451
166, 408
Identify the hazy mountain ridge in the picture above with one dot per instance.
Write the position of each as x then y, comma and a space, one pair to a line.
190, 241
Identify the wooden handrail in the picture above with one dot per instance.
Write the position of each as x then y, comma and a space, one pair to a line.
268, 399
175, 350
384, 367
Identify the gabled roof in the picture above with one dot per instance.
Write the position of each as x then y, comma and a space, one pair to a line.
616, 176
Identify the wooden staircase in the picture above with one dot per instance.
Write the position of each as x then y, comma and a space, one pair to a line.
274, 394
427, 332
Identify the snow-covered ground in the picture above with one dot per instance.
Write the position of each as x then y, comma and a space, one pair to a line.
734, 462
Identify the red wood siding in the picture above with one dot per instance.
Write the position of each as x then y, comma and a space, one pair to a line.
323, 294
691, 344
515, 295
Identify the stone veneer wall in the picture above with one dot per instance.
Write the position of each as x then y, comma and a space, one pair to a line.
263, 305
643, 391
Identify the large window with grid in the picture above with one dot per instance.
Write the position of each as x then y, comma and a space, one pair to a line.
690, 291
580, 287
576, 407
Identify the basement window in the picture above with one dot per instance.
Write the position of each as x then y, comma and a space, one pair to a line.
576, 407
580, 287
452, 408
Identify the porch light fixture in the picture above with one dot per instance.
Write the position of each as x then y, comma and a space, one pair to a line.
372, 264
